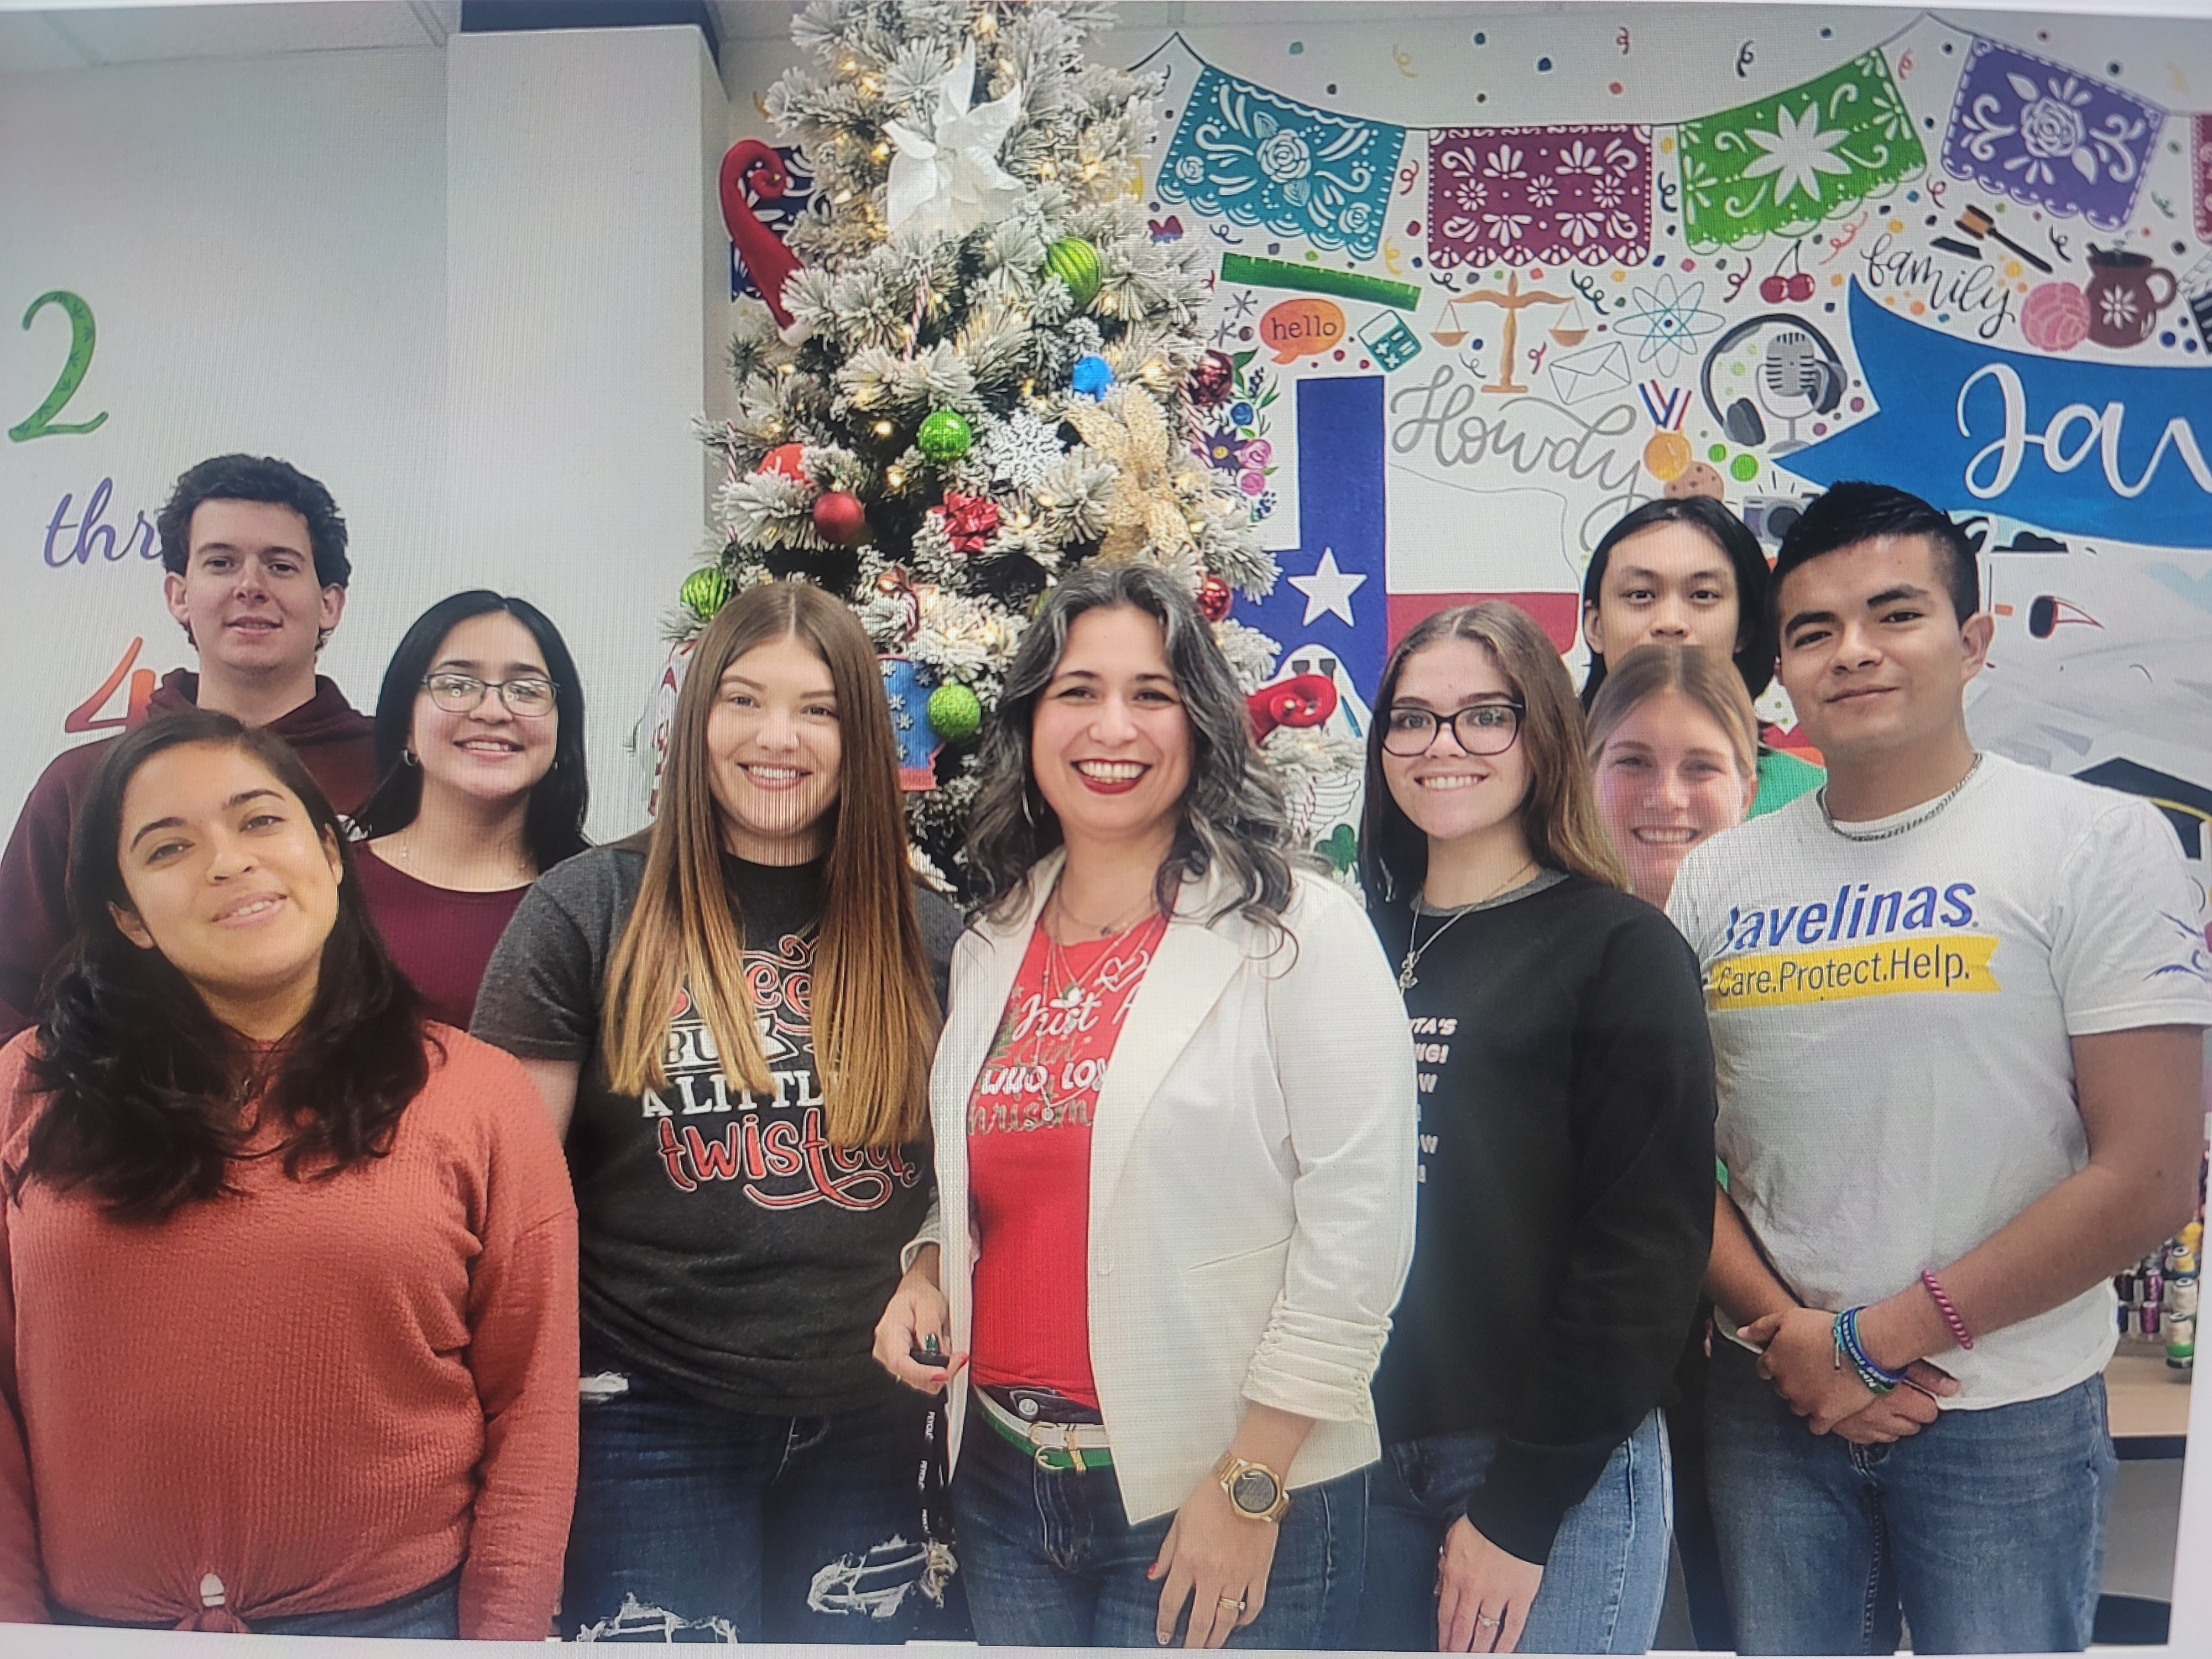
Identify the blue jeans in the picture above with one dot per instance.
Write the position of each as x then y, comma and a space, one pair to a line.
432, 1612
1985, 1530
1051, 1559
1604, 1581
695, 1523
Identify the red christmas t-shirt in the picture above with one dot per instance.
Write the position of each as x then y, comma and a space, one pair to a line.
1028, 1157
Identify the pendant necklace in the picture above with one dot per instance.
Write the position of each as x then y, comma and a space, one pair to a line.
1406, 978
1056, 971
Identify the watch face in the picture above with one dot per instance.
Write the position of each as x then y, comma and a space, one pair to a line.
1254, 1492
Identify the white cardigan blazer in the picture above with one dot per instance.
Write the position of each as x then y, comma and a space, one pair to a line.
1252, 1172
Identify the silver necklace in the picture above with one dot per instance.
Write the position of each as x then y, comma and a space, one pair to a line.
1117, 925
524, 866
1949, 795
1406, 981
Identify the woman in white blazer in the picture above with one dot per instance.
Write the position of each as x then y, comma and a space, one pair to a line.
1174, 1110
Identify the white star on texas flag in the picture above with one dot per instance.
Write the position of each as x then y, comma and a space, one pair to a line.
1328, 588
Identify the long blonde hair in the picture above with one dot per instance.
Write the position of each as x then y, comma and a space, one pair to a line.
1707, 677
874, 1010
1559, 816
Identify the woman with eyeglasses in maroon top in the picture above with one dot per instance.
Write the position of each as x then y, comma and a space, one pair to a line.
480, 758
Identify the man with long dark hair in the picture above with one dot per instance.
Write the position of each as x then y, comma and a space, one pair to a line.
255, 556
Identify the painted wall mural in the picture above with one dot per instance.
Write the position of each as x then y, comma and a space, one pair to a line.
1462, 351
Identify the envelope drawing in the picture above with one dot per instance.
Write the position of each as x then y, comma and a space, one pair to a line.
1589, 374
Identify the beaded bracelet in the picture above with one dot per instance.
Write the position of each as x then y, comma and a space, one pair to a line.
1959, 1333
1848, 1347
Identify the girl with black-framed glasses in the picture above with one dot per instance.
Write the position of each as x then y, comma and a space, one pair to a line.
480, 754
1566, 1098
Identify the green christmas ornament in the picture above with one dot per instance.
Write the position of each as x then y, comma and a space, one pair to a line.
706, 590
1075, 262
956, 713
944, 436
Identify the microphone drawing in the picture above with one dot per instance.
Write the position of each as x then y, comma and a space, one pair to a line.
1795, 380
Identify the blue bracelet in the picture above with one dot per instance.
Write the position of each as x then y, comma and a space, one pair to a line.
1877, 1379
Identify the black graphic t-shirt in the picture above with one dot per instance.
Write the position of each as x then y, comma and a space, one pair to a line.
726, 1246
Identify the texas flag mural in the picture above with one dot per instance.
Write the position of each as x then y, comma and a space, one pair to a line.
1331, 608
1385, 542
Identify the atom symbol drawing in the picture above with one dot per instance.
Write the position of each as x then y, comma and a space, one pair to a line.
1668, 320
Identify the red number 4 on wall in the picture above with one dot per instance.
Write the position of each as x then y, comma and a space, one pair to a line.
86, 717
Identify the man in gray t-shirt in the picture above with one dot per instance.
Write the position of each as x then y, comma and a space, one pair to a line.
1957, 1009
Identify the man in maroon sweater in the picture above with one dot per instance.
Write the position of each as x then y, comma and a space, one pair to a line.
256, 555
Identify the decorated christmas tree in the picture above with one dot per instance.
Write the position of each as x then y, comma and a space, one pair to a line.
971, 367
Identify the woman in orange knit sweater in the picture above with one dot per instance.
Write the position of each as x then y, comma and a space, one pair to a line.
288, 1281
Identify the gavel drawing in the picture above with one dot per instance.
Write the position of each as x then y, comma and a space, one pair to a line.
1978, 224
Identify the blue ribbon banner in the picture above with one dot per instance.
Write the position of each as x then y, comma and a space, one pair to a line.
2083, 448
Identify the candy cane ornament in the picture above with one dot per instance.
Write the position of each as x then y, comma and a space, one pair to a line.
751, 165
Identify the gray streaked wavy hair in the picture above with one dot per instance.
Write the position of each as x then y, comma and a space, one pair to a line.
1234, 817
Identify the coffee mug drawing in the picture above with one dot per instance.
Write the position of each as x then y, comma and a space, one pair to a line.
2123, 305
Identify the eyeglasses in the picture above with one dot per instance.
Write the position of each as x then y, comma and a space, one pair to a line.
1480, 728
529, 699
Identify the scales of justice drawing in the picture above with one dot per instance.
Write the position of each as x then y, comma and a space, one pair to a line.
1568, 331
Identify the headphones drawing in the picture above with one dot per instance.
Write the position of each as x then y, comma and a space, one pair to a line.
1741, 419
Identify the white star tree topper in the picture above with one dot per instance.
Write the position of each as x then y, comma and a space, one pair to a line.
951, 180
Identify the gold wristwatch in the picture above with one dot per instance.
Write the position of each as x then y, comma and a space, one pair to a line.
1255, 1491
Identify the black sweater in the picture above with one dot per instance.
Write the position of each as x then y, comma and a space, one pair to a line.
1567, 1201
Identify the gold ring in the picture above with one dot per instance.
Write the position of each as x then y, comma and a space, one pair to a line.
1235, 1601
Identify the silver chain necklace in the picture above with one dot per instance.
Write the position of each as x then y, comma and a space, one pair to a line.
1949, 796
1406, 981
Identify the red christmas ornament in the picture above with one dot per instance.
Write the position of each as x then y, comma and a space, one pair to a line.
1214, 598
841, 518
970, 520
1211, 382
788, 459
1303, 700
751, 165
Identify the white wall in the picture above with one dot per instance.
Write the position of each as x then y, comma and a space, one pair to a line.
469, 290
586, 293
262, 245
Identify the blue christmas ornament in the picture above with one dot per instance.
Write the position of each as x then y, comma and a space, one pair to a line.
1091, 377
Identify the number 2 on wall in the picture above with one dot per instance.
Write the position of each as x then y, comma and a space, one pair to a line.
40, 422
